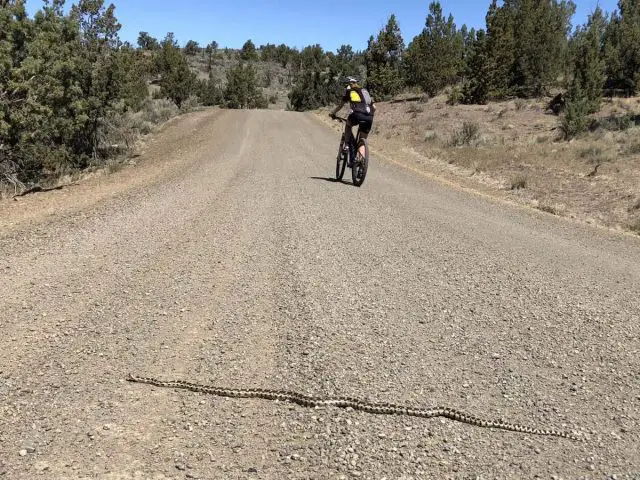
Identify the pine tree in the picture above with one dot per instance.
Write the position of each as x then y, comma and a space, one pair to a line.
315, 80
132, 69
283, 54
434, 58
345, 61
178, 81
191, 48
589, 68
211, 52
500, 49
308, 92
541, 30
575, 120
47, 124
478, 72
383, 60
468, 42
209, 92
97, 68
242, 88
248, 53
622, 47
147, 42
15, 32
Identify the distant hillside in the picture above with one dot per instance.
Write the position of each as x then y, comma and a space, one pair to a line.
275, 79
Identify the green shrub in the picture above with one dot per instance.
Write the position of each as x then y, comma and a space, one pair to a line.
455, 96
466, 135
430, 136
519, 182
617, 124
159, 110
576, 119
189, 104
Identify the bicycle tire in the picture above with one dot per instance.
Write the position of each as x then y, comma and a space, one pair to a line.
360, 166
341, 163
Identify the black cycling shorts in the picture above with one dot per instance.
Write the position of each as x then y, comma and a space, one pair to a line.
363, 120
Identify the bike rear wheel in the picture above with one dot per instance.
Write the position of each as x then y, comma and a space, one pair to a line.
360, 165
341, 162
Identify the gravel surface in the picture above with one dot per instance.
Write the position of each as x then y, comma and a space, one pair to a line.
227, 257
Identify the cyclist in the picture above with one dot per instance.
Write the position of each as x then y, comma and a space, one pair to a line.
361, 113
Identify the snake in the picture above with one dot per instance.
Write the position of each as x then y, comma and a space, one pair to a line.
350, 402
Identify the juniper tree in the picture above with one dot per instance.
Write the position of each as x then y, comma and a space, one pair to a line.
178, 81
434, 57
588, 62
622, 47
248, 53
478, 72
383, 59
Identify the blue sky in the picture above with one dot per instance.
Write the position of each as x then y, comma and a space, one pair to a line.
297, 23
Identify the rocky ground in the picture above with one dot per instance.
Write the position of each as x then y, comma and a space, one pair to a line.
227, 255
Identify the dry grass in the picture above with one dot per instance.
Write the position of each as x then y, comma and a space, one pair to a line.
519, 182
591, 153
520, 104
634, 149
516, 147
547, 208
430, 136
467, 135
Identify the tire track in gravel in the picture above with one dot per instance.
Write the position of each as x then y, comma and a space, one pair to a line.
140, 309
353, 328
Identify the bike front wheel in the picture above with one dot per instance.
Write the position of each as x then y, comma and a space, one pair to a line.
341, 162
360, 166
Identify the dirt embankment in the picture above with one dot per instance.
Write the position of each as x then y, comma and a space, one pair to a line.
513, 150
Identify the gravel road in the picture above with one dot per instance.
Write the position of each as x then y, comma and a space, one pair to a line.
227, 257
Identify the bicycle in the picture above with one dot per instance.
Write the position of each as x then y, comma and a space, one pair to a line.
351, 157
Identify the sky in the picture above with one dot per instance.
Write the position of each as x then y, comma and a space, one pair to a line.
296, 23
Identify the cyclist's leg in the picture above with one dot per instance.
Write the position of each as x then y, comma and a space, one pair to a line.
365, 123
362, 138
348, 130
348, 133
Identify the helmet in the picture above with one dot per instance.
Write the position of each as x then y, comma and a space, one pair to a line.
350, 79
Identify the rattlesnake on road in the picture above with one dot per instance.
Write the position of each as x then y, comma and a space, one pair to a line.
348, 402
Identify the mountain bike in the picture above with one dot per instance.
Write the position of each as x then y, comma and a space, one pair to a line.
352, 158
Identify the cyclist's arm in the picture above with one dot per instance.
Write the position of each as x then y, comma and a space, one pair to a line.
343, 101
338, 108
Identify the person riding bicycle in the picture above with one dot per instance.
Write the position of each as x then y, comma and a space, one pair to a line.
362, 111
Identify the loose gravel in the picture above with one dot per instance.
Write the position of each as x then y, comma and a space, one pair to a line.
227, 256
